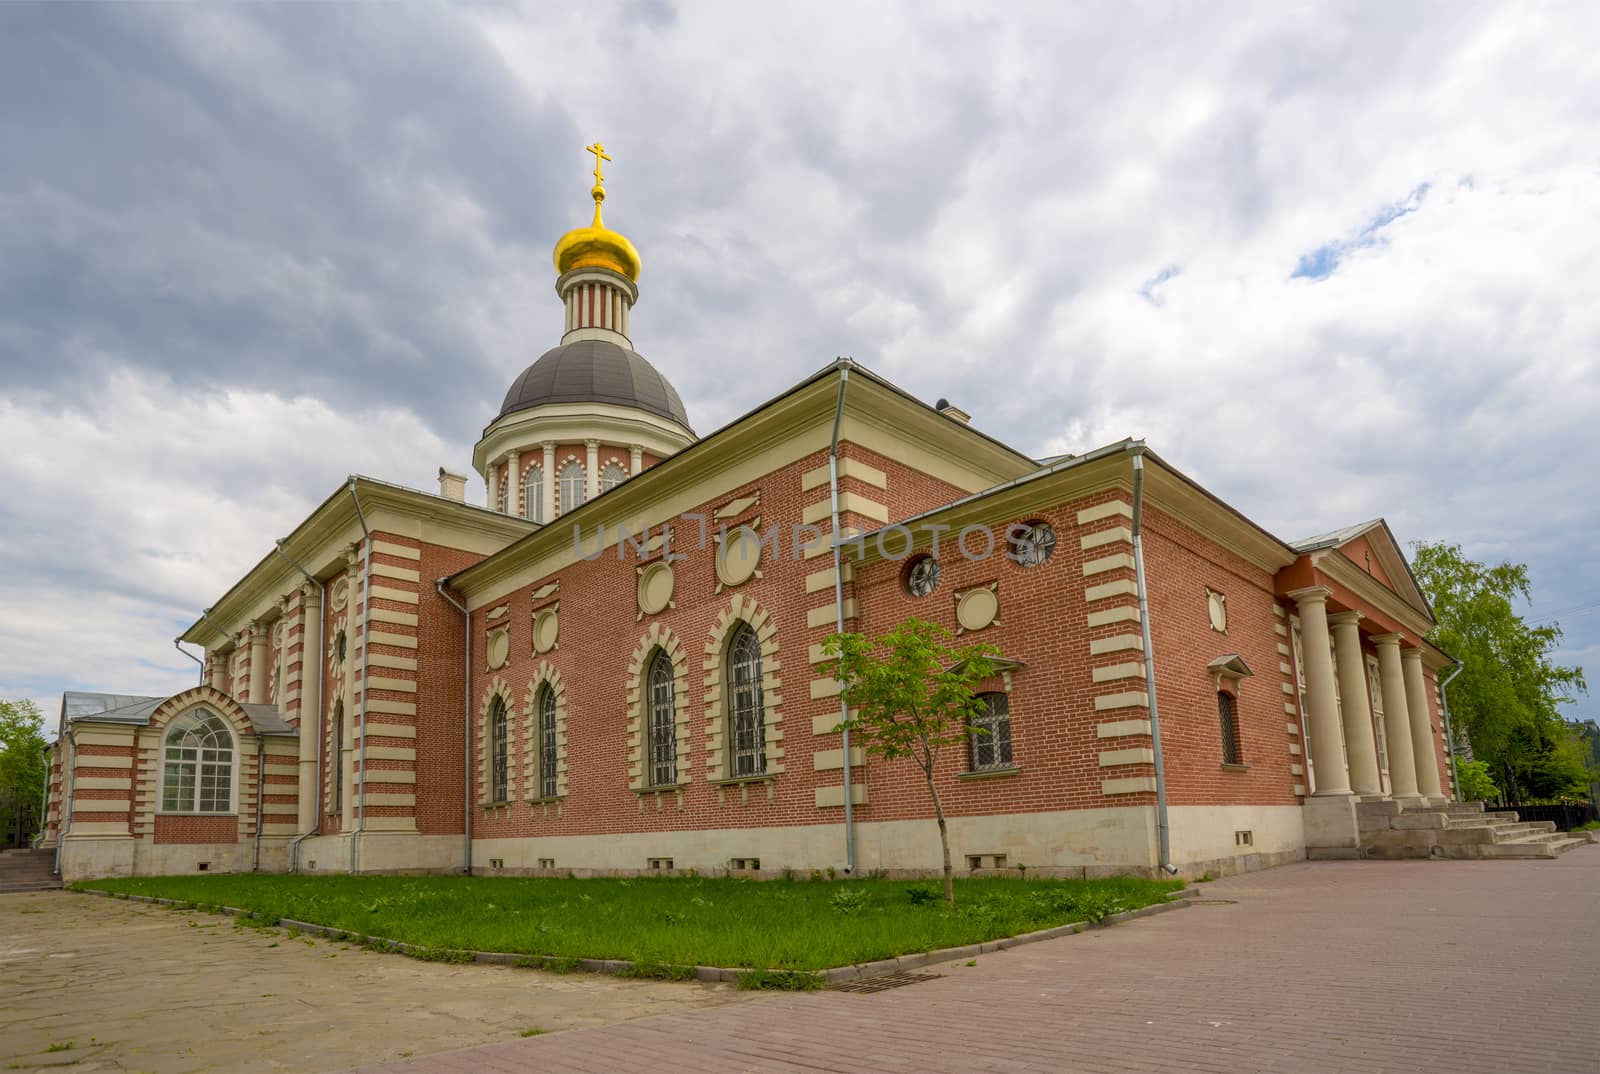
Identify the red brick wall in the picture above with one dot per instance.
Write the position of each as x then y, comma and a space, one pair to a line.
171, 828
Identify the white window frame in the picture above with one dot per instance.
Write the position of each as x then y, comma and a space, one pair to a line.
574, 487
533, 494
1380, 726
611, 475
200, 715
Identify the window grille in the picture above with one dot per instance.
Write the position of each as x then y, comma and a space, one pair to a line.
663, 730
573, 489
1232, 751
747, 730
533, 494
990, 733
547, 742
498, 760
198, 770
611, 476
338, 755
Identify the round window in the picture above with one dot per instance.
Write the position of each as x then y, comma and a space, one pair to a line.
1032, 543
922, 576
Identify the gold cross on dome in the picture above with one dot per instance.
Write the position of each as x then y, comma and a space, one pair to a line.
600, 156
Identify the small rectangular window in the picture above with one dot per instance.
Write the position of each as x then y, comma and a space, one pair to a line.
1232, 752
990, 734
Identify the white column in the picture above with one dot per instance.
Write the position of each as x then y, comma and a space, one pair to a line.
1424, 743
548, 492
514, 484
311, 663
492, 476
1326, 755
1360, 743
635, 459
257, 692
219, 672
591, 474
1396, 717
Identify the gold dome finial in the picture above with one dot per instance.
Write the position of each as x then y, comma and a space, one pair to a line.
597, 246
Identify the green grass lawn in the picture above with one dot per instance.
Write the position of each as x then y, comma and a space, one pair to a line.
776, 924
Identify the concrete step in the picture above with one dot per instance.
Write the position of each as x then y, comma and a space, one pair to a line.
1567, 842
8, 887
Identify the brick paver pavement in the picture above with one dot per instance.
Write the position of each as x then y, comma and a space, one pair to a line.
1457, 967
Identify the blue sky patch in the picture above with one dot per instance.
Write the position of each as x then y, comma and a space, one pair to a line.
1321, 262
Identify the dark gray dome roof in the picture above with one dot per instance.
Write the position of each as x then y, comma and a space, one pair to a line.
595, 371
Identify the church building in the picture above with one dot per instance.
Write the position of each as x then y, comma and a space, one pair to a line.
612, 665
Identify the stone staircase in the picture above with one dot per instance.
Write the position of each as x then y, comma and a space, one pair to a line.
1456, 830
28, 870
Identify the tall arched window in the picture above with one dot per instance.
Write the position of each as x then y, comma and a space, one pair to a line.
337, 729
611, 476
990, 733
663, 728
197, 776
547, 741
533, 494
499, 774
573, 490
747, 731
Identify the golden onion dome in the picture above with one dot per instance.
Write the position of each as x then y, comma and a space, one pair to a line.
597, 246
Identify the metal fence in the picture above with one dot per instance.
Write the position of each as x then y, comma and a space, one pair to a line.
1566, 817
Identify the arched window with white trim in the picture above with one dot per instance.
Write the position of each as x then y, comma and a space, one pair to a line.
499, 759
197, 769
573, 489
611, 476
533, 494
662, 726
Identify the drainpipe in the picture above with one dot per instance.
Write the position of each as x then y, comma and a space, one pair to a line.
366, 615
191, 656
838, 614
1163, 830
1449, 735
466, 735
322, 666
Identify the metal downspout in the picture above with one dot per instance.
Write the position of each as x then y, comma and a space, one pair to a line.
322, 703
191, 656
838, 610
1163, 831
1449, 735
366, 613
466, 734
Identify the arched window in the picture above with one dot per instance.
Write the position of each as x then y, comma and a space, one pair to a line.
747, 731
990, 733
499, 775
1227, 713
197, 776
533, 494
611, 476
663, 729
337, 730
573, 490
547, 741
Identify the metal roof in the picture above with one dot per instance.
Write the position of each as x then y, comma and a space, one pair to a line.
81, 706
595, 371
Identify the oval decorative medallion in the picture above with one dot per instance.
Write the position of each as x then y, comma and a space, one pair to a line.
546, 629
739, 557
977, 608
1217, 610
655, 588
499, 649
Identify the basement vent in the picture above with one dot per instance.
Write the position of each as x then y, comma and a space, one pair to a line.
202, 866
547, 863
497, 863
986, 861
658, 864
1244, 839
744, 863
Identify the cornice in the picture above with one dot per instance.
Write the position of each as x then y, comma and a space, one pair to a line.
1338, 567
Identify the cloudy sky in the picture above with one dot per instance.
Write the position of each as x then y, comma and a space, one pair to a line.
1335, 263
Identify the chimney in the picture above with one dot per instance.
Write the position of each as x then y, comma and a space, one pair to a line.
953, 412
452, 486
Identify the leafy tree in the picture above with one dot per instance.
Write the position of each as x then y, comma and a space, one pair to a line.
21, 769
913, 695
1477, 785
1508, 694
